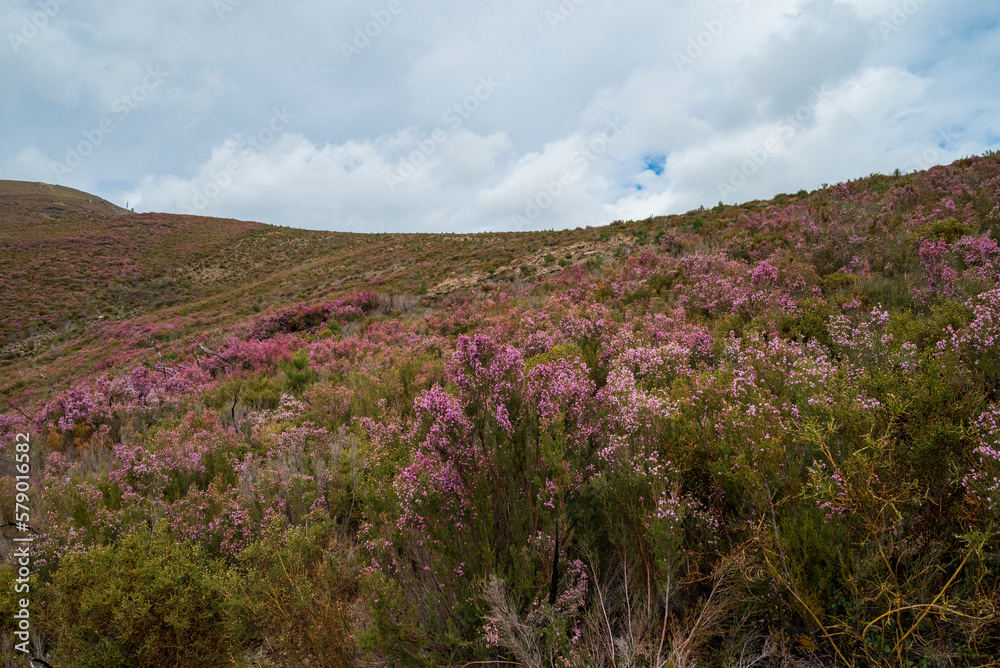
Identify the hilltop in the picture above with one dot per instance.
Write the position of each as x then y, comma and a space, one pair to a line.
764, 434
28, 197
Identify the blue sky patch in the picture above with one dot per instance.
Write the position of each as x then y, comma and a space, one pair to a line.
656, 162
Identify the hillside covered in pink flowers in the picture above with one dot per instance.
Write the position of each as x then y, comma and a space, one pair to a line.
755, 435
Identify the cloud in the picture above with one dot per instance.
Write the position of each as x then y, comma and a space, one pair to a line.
403, 135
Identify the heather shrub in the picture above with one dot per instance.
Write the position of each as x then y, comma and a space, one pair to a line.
483, 493
302, 317
975, 345
891, 292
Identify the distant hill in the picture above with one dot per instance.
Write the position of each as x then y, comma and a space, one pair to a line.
52, 200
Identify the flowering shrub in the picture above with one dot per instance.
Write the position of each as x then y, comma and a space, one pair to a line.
938, 273
256, 355
983, 481
975, 345
867, 345
303, 317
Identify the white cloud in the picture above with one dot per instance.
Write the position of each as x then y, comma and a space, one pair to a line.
885, 99
33, 165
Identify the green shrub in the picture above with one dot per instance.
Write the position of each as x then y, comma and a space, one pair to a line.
297, 594
838, 280
148, 601
948, 230
298, 375
887, 292
808, 324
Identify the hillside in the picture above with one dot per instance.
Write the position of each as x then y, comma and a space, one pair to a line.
73, 273
765, 434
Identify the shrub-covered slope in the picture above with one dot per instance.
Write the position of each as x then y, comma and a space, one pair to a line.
766, 434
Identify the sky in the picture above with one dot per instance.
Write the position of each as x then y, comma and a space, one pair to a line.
458, 116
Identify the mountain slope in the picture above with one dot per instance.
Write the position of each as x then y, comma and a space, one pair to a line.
766, 434
71, 272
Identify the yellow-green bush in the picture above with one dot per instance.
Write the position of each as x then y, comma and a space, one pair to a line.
148, 601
